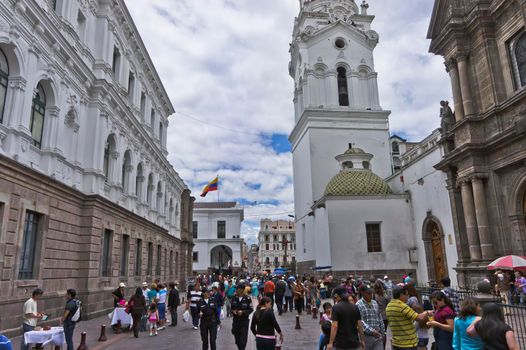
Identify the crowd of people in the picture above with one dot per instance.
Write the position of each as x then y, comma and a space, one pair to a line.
355, 313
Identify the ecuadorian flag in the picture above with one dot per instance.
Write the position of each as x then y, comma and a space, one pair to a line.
211, 186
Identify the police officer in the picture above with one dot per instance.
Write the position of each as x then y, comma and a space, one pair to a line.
241, 309
209, 319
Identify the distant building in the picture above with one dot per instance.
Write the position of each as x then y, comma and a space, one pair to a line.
276, 238
217, 237
253, 260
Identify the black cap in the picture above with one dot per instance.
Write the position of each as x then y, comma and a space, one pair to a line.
365, 288
240, 286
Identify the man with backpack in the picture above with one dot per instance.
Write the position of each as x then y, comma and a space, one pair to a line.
71, 317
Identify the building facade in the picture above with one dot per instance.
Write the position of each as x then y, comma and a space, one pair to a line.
217, 237
483, 45
381, 207
277, 243
88, 198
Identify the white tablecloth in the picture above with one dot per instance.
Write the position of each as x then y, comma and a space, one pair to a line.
55, 336
120, 314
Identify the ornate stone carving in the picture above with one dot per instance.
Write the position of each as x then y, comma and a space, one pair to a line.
72, 116
372, 37
447, 118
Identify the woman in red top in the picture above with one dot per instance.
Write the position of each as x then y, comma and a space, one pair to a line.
444, 320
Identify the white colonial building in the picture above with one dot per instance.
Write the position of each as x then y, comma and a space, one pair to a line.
217, 237
87, 195
362, 206
277, 243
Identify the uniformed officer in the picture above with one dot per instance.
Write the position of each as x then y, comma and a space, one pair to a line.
209, 319
241, 309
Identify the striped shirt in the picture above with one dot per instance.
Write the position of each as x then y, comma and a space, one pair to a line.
401, 318
194, 297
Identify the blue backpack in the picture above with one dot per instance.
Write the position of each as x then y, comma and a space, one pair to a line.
5, 343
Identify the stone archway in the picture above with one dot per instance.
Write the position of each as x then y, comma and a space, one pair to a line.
435, 249
221, 258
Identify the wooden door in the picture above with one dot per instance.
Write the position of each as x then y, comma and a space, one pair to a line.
438, 254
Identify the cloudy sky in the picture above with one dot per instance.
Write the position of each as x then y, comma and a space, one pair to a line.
224, 65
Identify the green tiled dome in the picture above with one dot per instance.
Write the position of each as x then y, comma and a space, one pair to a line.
357, 183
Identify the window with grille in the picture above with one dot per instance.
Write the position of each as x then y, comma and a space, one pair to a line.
138, 257
124, 254
517, 52
195, 256
194, 229
106, 253
38, 112
159, 255
374, 242
29, 246
150, 259
221, 229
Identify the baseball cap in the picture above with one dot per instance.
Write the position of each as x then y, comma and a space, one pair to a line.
144, 284
122, 285
365, 288
386, 277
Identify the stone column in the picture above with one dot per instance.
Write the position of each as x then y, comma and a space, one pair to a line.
113, 172
451, 68
481, 210
465, 87
471, 221
129, 185
50, 132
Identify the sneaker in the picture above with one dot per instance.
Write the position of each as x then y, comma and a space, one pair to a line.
160, 328
151, 334
156, 334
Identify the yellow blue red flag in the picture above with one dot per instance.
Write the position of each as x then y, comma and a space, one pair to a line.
211, 186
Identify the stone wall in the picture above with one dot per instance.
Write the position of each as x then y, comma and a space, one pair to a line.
69, 244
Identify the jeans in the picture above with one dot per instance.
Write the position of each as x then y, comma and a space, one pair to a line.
25, 328
279, 302
288, 303
265, 344
69, 327
173, 314
195, 316
162, 311
373, 343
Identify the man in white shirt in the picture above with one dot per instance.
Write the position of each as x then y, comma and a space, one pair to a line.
31, 315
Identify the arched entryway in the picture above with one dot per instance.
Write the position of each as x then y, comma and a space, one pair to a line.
221, 259
435, 249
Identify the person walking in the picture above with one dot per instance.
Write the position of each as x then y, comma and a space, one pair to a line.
137, 307
161, 305
279, 294
382, 299
241, 306
209, 316
443, 323
288, 297
269, 289
314, 293
66, 320
401, 317
30, 315
469, 311
493, 330
192, 299
502, 287
173, 302
450, 293
153, 318
299, 296
254, 287
346, 329
372, 320
264, 326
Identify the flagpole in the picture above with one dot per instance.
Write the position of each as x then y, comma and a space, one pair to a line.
217, 188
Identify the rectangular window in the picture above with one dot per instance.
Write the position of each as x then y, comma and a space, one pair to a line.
150, 259
221, 229
116, 64
195, 256
131, 86
81, 25
194, 229
171, 263
143, 104
159, 256
267, 246
29, 246
106, 253
125, 243
138, 257
374, 242
152, 121
161, 132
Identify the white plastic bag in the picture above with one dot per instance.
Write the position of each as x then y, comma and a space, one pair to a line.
222, 315
186, 316
110, 315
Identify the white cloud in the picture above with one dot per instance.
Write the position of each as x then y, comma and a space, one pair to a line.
225, 62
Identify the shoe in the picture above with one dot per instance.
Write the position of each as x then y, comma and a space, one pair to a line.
151, 334
195, 328
156, 334
160, 328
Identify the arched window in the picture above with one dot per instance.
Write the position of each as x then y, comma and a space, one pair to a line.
139, 178
517, 47
109, 154
159, 201
149, 192
343, 91
126, 164
38, 112
4, 75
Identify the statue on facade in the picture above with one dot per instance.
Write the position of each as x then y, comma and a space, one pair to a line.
447, 118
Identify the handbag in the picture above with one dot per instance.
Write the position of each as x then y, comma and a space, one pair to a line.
129, 307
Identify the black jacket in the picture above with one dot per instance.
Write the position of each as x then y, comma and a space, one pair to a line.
209, 311
245, 305
173, 298
280, 287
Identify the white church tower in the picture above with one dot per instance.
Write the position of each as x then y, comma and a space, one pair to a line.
336, 104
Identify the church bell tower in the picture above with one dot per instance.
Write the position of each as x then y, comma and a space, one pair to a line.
336, 101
